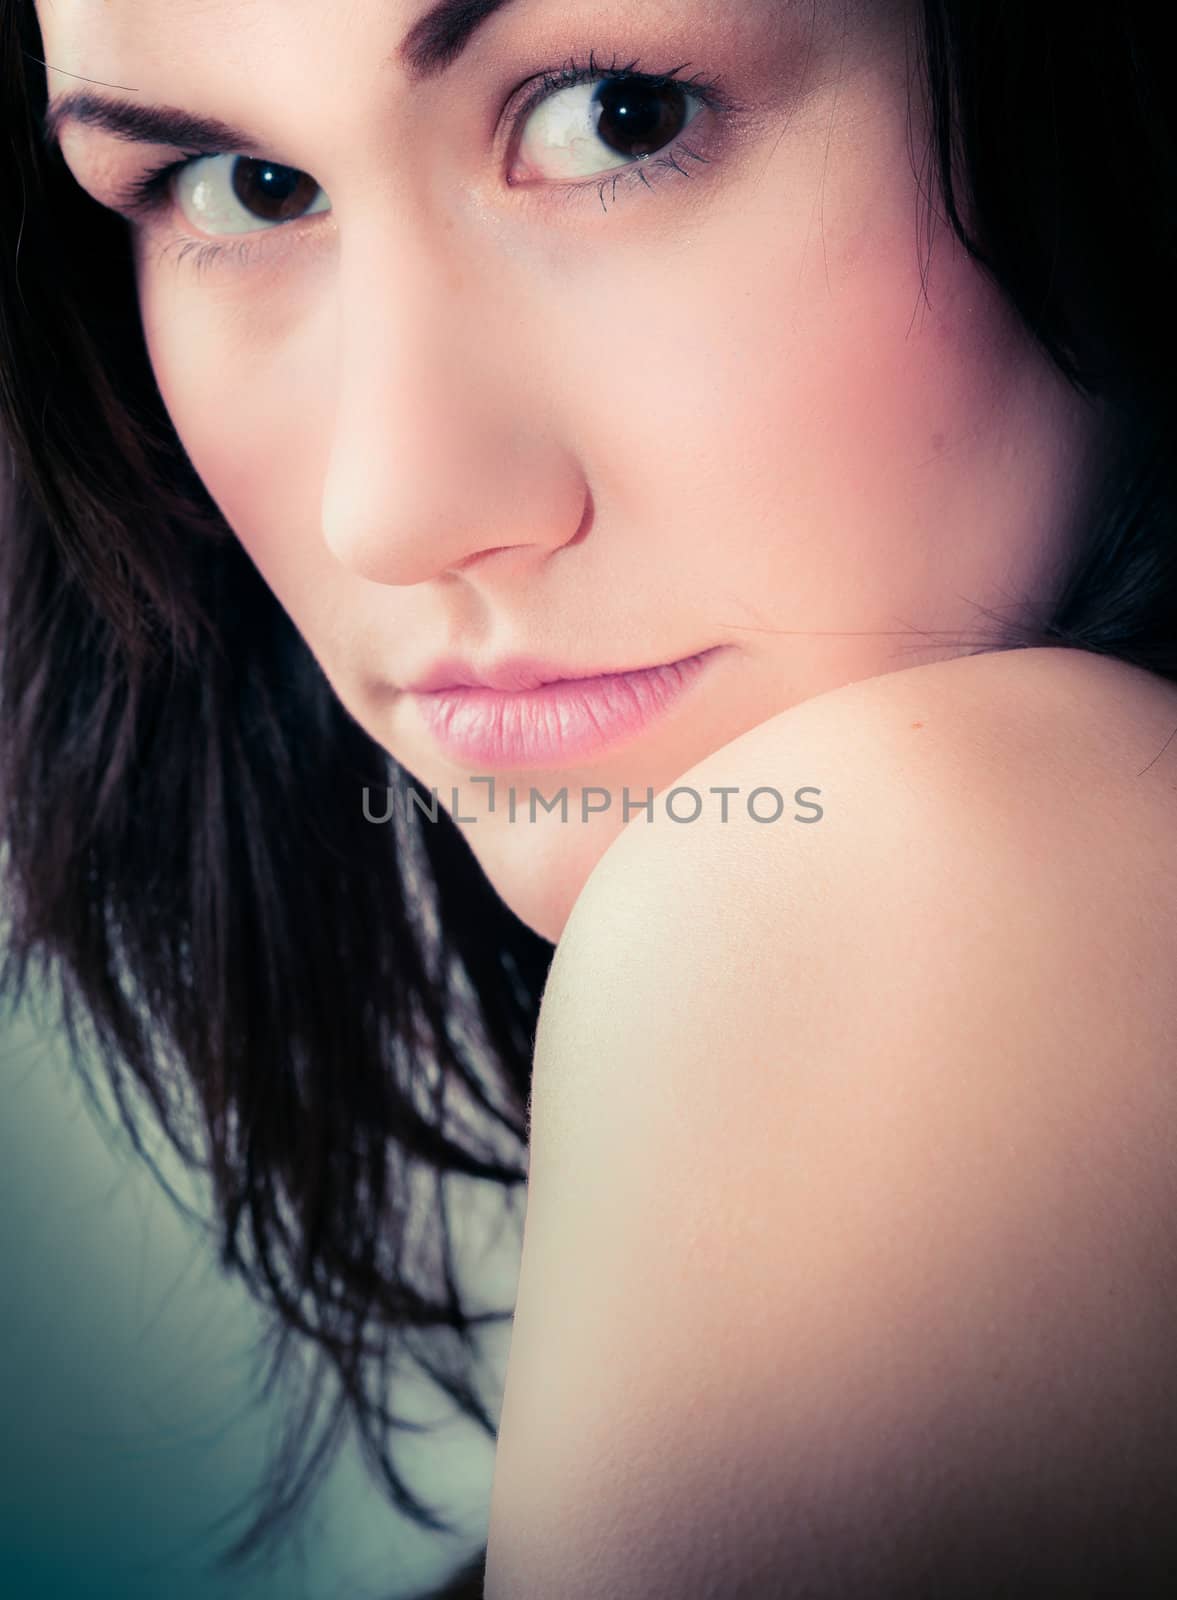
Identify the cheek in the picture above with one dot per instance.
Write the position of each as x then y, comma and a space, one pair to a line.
233, 373
783, 369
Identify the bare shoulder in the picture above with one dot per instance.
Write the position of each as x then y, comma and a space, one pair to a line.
1058, 762
993, 831
853, 1176
993, 836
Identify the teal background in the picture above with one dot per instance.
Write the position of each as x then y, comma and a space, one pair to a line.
127, 1412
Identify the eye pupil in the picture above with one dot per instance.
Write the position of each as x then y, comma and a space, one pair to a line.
639, 117
271, 192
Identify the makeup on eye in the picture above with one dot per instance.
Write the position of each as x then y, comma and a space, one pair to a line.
646, 113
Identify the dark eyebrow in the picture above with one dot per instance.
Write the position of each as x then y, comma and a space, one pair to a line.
144, 124
437, 40
432, 44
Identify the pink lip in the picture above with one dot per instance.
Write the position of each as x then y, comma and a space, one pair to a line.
531, 718
512, 675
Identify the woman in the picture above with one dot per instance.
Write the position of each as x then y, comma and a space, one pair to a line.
779, 369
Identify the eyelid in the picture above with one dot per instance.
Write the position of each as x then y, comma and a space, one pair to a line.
574, 73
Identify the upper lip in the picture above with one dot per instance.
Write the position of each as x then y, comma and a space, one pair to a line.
514, 674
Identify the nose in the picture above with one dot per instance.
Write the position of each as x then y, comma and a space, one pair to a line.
444, 447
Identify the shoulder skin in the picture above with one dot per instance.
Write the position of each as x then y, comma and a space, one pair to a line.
850, 1259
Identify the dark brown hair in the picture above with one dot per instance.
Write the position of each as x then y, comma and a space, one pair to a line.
320, 1013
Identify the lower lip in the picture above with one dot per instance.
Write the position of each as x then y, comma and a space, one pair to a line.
558, 722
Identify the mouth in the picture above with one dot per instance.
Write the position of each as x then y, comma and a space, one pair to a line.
530, 719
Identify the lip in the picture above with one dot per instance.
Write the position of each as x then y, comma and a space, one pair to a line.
526, 714
512, 675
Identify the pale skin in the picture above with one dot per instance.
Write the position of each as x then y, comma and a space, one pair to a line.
404, 403
850, 1262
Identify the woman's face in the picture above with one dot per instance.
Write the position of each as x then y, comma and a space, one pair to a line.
612, 380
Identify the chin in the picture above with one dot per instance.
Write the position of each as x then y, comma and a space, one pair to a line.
543, 907
539, 873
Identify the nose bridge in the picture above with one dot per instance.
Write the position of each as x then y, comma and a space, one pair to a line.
437, 451
402, 305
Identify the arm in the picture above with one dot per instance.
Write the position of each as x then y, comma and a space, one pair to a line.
848, 1265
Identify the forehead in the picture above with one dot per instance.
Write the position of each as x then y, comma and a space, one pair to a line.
248, 62
98, 34
165, 32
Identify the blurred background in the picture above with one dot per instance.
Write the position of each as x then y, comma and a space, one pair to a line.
128, 1368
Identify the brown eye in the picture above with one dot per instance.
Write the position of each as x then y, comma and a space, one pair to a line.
270, 192
231, 194
636, 118
595, 127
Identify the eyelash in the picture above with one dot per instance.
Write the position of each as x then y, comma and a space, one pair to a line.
147, 195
